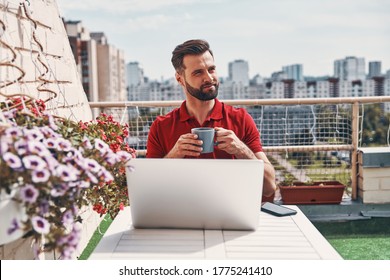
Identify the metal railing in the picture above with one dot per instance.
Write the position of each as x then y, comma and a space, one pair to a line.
343, 111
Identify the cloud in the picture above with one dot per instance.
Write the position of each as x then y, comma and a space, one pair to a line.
124, 6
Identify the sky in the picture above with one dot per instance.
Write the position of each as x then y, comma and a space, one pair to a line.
269, 34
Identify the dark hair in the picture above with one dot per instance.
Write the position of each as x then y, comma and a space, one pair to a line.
192, 47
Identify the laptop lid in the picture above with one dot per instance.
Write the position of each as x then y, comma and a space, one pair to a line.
195, 193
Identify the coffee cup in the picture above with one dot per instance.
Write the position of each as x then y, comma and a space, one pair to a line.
207, 135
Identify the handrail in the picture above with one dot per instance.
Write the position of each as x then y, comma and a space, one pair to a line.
253, 102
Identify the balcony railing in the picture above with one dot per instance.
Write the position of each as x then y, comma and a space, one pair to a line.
310, 139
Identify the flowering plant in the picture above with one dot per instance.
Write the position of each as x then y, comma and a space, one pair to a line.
52, 175
106, 197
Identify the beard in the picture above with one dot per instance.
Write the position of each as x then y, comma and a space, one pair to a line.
201, 93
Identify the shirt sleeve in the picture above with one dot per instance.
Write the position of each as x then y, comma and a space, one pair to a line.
153, 146
252, 135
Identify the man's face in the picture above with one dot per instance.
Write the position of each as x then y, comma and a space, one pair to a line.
200, 78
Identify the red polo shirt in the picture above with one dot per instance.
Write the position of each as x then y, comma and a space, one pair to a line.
166, 130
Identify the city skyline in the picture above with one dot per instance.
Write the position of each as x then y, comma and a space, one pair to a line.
267, 34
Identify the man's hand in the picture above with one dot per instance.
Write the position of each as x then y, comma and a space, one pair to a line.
186, 145
228, 141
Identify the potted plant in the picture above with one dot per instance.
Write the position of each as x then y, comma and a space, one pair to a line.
312, 192
50, 168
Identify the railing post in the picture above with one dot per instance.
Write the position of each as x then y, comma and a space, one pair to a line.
355, 141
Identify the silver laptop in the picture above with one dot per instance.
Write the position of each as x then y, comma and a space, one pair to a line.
195, 193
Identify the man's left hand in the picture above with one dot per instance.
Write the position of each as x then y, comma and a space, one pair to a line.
229, 142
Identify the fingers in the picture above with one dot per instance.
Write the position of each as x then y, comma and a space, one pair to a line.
186, 145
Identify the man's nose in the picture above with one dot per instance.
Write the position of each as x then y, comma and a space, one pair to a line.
209, 77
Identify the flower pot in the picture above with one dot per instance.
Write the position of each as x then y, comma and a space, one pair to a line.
10, 210
329, 192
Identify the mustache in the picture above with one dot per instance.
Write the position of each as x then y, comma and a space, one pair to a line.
207, 84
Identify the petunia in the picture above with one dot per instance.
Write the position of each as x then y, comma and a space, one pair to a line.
48, 132
15, 225
21, 147
50, 143
66, 173
29, 193
33, 134
124, 156
38, 148
39, 176
4, 146
92, 165
111, 158
12, 160
59, 190
34, 162
107, 176
86, 143
13, 132
63, 144
52, 122
101, 146
67, 218
40, 225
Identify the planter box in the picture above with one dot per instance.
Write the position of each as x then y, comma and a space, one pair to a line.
330, 192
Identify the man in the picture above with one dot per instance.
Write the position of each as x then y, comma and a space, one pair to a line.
236, 133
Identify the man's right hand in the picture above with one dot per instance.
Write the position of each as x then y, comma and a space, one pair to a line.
186, 145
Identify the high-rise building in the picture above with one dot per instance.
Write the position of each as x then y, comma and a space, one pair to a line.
350, 69
374, 69
294, 72
84, 51
134, 74
239, 72
111, 70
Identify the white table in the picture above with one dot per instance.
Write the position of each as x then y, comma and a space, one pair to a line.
291, 237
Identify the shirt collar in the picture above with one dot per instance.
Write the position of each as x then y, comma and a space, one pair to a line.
216, 113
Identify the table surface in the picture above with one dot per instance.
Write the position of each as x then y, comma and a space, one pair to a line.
290, 237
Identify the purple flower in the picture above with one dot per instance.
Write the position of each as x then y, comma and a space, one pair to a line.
33, 134
64, 145
86, 143
29, 194
101, 146
52, 122
15, 225
34, 162
39, 176
92, 177
13, 132
43, 207
48, 132
12, 160
9, 114
67, 218
37, 148
107, 176
21, 147
4, 146
124, 156
51, 161
59, 190
66, 173
50, 143
111, 158
92, 165
40, 225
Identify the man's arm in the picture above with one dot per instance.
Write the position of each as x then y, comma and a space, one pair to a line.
269, 184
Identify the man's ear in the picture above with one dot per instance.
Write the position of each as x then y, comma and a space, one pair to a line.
179, 79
